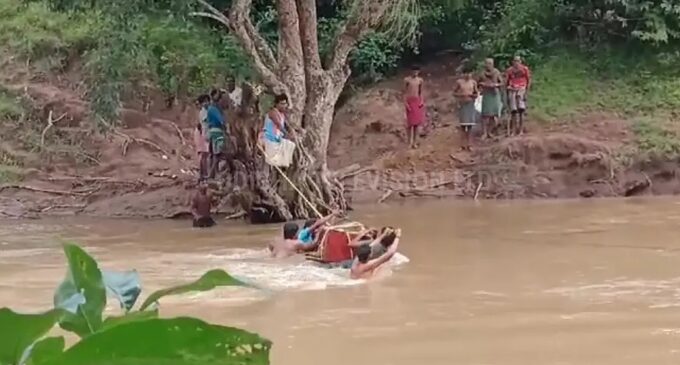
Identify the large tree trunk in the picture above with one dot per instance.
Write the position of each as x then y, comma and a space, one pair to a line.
313, 91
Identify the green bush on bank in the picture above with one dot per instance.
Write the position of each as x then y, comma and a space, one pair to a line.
571, 80
38, 34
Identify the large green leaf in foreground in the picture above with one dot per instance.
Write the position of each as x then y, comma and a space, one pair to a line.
45, 350
177, 341
208, 281
82, 294
112, 321
19, 331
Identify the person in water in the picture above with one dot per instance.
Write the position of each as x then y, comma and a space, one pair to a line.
201, 204
364, 266
290, 244
308, 233
415, 105
378, 242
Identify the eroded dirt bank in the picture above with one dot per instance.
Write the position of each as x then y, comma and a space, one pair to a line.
146, 167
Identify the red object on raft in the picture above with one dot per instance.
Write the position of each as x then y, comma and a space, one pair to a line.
334, 246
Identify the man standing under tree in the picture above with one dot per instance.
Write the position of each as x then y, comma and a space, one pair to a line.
216, 131
415, 105
466, 92
518, 81
490, 82
201, 136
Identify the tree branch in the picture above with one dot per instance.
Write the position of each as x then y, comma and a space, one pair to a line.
364, 16
253, 43
291, 62
309, 32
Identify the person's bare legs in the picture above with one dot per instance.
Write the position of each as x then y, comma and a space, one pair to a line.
465, 138
468, 134
485, 127
512, 126
203, 165
520, 122
414, 133
411, 137
494, 126
215, 164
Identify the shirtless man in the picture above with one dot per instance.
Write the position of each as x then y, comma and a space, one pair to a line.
290, 244
490, 83
466, 92
414, 103
200, 207
364, 267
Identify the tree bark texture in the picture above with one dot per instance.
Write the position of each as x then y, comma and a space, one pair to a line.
313, 90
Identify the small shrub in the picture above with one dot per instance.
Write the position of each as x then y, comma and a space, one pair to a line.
655, 140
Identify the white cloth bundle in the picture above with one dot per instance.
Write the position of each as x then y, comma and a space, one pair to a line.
279, 154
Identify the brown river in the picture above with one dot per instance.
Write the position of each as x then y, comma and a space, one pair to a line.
593, 282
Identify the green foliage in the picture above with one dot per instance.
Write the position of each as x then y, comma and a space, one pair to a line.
9, 173
654, 21
46, 350
516, 27
186, 58
19, 331
632, 84
46, 36
10, 105
169, 341
112, 321
208, 281
656, 140
375, 57
133, 338
82, 294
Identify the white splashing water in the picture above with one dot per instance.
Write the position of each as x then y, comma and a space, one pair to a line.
257, 268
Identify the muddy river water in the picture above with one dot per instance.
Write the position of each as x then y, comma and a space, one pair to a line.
594, 282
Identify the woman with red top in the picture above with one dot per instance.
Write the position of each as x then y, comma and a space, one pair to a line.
518, 82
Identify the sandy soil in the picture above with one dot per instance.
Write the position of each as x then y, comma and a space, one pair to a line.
147, 167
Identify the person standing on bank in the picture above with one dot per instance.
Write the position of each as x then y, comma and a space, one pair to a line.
415, 105
466, 92
518, 82
490, 81
201, 136
216, 131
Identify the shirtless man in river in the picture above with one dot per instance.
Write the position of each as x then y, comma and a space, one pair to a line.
290, 244
415, 105
201, 204
363, 267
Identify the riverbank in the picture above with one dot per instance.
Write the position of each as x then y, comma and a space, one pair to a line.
574, 147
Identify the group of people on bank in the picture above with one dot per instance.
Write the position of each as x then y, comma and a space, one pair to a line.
373, 247
516, 81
